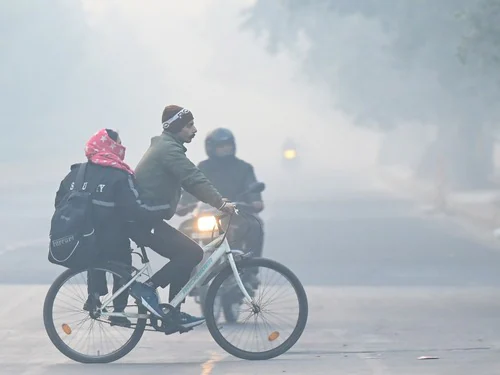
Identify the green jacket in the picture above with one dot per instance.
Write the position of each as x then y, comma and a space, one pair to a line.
165, 170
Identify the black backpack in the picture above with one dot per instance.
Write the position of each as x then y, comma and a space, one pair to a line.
72, 234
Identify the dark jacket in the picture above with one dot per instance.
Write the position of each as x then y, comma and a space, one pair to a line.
116, 204
165, 170
231, 176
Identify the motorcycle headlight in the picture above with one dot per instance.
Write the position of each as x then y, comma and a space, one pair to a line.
206, 223
290, 154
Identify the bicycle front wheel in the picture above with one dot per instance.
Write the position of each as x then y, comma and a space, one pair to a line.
78, 329
272, 323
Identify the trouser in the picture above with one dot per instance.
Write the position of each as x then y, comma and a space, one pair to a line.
249, 230
98, 283
183, 252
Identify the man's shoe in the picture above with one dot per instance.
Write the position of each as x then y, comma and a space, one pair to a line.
147, 296
88, 302
119, 321
189, 321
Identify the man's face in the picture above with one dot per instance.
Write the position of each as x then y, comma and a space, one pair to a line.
187, 133
224, 150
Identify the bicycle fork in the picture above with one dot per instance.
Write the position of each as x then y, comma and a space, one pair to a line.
238, 278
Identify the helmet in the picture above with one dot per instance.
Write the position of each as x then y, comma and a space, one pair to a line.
219, 137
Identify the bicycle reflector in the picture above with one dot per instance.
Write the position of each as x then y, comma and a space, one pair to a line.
67, 329
273, 336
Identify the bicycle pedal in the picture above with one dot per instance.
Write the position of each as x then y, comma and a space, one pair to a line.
171, 330
124, 325
184, 330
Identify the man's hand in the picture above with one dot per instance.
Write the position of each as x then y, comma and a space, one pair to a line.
258, 205
228, 207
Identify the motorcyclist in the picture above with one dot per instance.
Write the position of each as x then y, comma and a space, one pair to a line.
231, 176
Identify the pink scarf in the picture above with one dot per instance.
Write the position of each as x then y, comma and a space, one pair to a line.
102, 150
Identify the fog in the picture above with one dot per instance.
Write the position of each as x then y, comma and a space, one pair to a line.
70, 68
352, 86
364, 88
127, 60
226, 77
423, 70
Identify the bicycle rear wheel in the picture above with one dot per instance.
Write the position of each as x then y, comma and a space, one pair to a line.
260, 320
73, 323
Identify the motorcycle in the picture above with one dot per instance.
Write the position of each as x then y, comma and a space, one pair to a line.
201, 226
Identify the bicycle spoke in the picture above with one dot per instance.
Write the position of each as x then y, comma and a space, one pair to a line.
269, 322
79, 330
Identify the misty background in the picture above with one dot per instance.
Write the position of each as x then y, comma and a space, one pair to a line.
357, 85
367, 90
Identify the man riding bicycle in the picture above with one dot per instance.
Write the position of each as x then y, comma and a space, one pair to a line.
162, 173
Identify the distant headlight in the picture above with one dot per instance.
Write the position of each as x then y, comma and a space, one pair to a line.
290, 154
206, 223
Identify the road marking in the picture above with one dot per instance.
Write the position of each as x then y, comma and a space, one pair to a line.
208, 366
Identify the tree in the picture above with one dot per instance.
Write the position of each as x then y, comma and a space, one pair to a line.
481, 42
389, 63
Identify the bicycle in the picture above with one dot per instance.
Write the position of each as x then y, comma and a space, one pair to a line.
225, 268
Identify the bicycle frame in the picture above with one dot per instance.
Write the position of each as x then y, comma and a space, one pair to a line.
221, 247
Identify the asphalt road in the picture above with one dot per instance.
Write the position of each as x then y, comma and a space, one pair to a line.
385, 286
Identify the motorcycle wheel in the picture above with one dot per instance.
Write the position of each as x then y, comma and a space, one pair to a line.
231, 311
218, 308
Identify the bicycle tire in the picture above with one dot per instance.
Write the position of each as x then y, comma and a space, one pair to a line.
59, 343
301, 321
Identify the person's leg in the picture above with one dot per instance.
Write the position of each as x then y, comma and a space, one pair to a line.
125, 257
255, 236
97, 284
96, 280
248, 230
183, 256
96, 287
254, 239
237, 231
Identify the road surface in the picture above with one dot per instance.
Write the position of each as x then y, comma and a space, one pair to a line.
385, 285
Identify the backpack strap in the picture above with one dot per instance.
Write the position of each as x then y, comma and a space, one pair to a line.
80, 176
